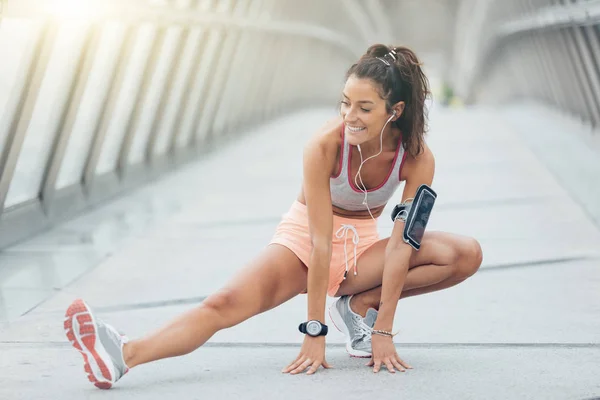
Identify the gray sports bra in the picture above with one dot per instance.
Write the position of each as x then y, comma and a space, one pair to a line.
345, 194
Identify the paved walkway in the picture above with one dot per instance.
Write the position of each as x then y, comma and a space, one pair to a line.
526, 326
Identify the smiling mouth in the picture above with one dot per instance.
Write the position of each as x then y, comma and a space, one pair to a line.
355, 129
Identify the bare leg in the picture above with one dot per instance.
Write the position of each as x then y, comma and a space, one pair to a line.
274, 277
443, 261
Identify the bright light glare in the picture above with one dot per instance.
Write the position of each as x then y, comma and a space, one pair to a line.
75, 9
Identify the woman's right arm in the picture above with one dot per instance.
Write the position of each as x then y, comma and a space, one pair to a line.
319, 161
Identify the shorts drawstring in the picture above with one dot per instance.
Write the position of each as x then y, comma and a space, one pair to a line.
343, 231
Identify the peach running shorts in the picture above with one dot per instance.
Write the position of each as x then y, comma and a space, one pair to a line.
351, 238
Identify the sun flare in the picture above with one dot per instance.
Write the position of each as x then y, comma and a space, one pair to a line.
74, 9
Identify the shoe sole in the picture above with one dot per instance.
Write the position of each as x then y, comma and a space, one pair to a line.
338, 321
80, 329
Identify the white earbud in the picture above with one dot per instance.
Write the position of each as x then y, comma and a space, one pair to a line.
389, 119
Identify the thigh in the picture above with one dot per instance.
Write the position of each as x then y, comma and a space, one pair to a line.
436, 248
272, 278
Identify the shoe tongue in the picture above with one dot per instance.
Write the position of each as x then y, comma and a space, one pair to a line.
370, 318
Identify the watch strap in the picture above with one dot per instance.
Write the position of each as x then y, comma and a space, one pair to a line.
302, 327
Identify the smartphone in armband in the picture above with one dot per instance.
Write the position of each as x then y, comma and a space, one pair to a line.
418, 216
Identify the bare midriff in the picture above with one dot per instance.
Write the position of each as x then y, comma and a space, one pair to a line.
348, 214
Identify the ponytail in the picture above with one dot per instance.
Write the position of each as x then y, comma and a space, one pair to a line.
398, 72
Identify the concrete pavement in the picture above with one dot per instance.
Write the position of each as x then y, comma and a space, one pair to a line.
525, 326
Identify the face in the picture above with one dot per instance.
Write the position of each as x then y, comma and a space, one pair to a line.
363, 111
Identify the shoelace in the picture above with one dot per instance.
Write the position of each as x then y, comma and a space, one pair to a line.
115, 336
360, 327
362, 333
366, 339
343, 233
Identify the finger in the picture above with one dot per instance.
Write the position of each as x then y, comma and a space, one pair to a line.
390, 367
403, 363
295, 364
377, 366
301, 367
398, 366
313, 368
290, 367
370, 363
307, 363
325, 364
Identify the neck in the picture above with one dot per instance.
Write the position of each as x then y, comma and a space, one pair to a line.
373, 146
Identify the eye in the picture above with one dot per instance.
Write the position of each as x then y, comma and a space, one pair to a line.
365, 110
344, 103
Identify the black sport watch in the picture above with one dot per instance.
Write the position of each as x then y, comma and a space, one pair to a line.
313, 328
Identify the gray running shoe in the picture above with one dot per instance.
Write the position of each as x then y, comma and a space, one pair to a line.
356, 328
100, 344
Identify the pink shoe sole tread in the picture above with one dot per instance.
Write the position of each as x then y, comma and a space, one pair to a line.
79, 310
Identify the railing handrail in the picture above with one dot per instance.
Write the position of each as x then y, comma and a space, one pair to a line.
546, 18
171, 16
552, 17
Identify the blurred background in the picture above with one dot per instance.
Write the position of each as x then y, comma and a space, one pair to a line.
148, 149
98, 97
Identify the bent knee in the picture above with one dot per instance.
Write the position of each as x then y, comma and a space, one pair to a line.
222, 301
471, 257
232, 303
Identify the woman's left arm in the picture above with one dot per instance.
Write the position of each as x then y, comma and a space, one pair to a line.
417, 171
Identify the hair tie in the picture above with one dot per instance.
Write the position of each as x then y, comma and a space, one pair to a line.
385, 62
391, 54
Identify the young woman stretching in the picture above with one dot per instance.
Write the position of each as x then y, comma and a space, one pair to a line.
328, 242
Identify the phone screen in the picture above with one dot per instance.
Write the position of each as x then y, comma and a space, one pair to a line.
424, 207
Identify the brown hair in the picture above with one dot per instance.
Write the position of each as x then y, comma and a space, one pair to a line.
401, 80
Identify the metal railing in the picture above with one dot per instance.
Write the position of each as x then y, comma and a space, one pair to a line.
548, 50
101, 96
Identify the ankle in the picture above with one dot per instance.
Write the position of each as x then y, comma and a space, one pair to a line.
358, 306
129, 354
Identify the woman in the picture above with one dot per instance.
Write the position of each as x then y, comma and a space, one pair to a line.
327, 243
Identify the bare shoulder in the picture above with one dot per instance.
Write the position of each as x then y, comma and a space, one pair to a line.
329, 134
421, 164
320, 153
325, 142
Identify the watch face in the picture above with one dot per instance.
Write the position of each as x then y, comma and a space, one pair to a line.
313, 328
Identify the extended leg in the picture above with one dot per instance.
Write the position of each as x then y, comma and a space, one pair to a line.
276, 276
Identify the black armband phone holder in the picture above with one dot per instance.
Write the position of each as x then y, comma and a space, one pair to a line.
415, 215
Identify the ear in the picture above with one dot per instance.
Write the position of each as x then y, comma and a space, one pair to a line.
399, 108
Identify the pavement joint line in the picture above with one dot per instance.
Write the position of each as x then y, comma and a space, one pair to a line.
438, 345
151, 304
509, 201
537, 263
200, 299
448, 206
